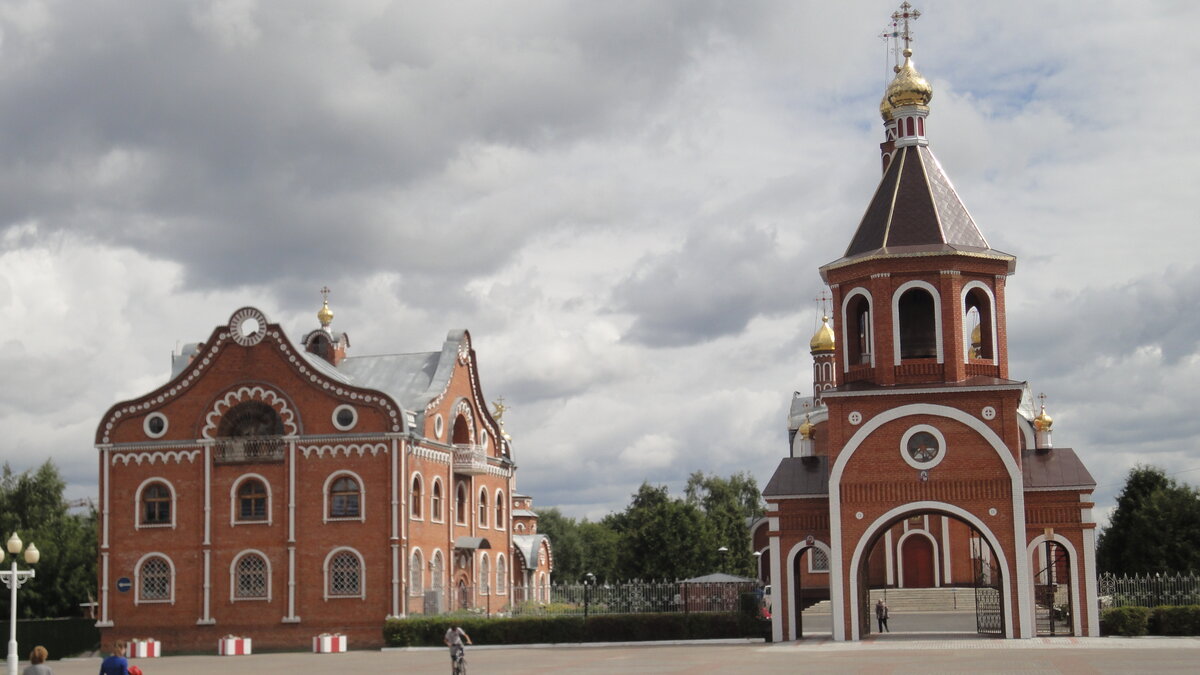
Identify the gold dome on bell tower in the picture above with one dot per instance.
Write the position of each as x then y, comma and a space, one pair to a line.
823, 340
908, 88
325, 315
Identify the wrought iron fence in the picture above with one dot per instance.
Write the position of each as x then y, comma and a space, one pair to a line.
633, 597
1149, 590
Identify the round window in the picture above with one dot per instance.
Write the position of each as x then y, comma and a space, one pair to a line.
155, 425
438, 426
345, 417
923, 447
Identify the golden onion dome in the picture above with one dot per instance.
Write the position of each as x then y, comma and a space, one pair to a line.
909, 87
806, 428
1043, 422
885, 108
325, 315
977, 335
823, 340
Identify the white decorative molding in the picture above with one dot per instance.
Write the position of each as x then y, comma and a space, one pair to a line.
992, 311
342, 449
258, 392
163, 457
881, 275
844, 331
137, 504
237, 326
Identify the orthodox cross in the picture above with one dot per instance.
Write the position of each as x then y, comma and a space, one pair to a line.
325, 293
1042, 398
823, 299
897, 33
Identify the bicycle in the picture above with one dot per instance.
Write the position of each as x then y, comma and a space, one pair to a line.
459, 661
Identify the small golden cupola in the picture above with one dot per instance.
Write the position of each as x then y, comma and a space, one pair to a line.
823, 340
909, 87
1042, 425
325, 315
322, 341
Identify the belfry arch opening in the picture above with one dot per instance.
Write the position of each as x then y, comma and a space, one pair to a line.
858, 331
918, 325
935, 572
977, 324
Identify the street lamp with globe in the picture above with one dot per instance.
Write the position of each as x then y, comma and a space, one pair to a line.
14, 579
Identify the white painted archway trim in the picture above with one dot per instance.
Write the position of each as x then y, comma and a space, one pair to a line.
937, 570
791, 579
888, 518
837, 580
937, 317
858, 290
1076, 621
966, 337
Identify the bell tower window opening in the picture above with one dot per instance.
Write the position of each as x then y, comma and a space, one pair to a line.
858, 330
918, 325
977, 324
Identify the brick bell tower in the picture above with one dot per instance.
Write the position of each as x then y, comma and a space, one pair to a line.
922, 430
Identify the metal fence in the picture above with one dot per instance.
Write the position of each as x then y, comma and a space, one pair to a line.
632, 597
1149, 590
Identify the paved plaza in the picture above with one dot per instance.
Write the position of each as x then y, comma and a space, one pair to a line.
897, 653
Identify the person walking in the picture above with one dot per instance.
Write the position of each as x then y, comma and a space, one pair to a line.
116, 663
881, 613
37, 662
454, 640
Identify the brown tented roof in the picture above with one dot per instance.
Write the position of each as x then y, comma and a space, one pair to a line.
915, 211
1055, 468
799, 476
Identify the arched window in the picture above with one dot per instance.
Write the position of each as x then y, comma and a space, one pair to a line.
252, 500
250, 578
460, 504
437, 572
414, 498
918, 325
250, 419
977, 324
156, 504
344, 574
154, 579
501, 523
435, 501
415, 573
483, 507
344, 498
485, 571
501, 575
519, 527
462, 431
858, 330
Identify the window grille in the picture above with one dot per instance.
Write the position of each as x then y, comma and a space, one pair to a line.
156, 579
343, 498
484, 572
345, 575
819, 560
416, 574
251, 582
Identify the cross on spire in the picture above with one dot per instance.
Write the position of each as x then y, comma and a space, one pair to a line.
823, 299
899, 29
325, 293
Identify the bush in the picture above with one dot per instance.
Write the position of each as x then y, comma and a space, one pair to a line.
1175, 620
428, 631
1126, 621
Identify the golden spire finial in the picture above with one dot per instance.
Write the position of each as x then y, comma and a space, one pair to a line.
325, 315
1043, 422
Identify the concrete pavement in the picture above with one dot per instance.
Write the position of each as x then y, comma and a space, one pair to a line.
895, 653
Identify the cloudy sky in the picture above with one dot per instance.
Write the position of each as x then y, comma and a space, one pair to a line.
625, 202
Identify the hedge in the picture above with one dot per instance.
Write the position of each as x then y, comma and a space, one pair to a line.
428, 631
1161, 620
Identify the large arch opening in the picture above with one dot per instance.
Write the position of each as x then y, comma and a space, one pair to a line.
935, 573
808, 580
918, 325
1055, 587
977, 324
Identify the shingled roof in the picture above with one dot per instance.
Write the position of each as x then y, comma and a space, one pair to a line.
916, 211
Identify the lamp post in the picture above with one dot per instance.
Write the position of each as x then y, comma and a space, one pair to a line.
14, 579
724, 551
589, 580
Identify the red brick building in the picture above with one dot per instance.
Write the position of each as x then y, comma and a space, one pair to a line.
277, 491
917, 462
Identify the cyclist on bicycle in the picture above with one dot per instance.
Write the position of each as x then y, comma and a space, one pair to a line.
454, 640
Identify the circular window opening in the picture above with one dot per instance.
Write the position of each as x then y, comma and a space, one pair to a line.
155, 425
345, 417
439, 425
923, 447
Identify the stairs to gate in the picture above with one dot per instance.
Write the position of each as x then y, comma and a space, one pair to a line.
915, 600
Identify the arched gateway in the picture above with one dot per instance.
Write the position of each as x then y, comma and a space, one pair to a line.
917, 462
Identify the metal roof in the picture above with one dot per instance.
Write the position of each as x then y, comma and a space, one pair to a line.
472, 543
796, 476
527, 545
404, 377
1054, 468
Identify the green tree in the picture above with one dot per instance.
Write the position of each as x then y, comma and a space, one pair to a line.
663, 538
729, 505
1155, 527
580, 547
32, 505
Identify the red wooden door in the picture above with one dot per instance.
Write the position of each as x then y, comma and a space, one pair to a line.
917, 554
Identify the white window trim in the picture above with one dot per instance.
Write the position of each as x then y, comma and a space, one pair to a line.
346, 427
481, 513
362, 575
233, 576
962, 303
137, 580
923, 466
233, 501
437, 553
433, 516
459, 517
146, 425
137, 505
870, 329
485, 570
501, 575
420, 567
362, 497
501, 518
937, 317
416, 503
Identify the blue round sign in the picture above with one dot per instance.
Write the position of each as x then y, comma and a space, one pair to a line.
124, 584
